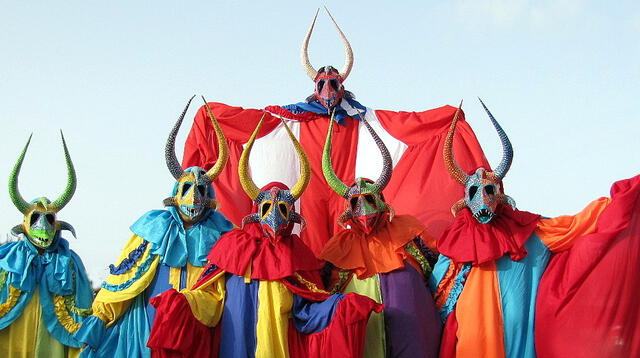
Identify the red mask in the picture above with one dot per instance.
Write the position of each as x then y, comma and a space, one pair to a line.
329, 90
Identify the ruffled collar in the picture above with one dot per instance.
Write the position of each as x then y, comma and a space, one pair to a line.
307, 111
28, 267
467, 240
247, 250
381, 251
176, 245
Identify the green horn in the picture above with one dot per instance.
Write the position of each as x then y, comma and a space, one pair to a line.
71, 179
327, 168
14, 192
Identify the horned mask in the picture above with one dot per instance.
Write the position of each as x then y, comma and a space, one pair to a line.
483, 189
40, 224
193, 194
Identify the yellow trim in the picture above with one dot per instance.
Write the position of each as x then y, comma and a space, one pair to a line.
310, 285
174, 277
6, 306
65, 320
206, 302
274, 309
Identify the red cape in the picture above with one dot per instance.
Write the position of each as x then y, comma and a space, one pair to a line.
587, 302
420, 186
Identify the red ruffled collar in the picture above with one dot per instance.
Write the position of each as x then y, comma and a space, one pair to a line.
239, 248
467, 240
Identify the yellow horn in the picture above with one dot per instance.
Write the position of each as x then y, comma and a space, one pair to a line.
450, 162
305, 170
246, 181
223, 149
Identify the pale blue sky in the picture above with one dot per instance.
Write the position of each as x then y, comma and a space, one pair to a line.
562, 77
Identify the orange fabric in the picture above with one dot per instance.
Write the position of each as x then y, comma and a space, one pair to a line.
559, 233
479, 315
379, 252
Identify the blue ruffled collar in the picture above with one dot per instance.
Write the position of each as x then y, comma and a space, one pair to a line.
165, 231
342, 111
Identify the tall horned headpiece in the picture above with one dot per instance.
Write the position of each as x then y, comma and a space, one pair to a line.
365, 202
193, 193
483, 189
329, 89
40, 224
276, 202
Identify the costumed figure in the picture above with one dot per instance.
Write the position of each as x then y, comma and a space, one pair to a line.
44, 289
410, 137
261, 290
385, 257
168, 250
493, 258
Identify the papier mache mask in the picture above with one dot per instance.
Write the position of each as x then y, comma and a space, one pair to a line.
40, 223
275, 206
193, 194
483, 189
329, 88
365, 203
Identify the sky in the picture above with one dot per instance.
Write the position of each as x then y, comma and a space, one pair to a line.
562, 77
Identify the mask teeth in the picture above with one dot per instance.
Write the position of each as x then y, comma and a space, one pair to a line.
483, 212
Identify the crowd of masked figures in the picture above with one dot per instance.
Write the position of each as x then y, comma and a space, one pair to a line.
443, 266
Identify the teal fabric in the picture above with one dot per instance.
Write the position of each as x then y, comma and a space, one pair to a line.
175, 244
57, 271
127, 338
91, 332
519, 281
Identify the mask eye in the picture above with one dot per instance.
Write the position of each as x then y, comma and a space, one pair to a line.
370, 199
50, 218
320, 85
34, 217
489, 189
334, 84
353, 202
264, 209
201, 189
185, 188
472, 191
284, 210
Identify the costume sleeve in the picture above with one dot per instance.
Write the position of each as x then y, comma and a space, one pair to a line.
559, 233
336, 325
183, 319
135, 270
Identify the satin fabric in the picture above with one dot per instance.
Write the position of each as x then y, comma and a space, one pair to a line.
588, 303
58, 271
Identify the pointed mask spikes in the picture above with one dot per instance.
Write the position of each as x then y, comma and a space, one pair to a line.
21, 204
305, 170
66, 196
387, 164
450, 162
170, 148
507, 149
246, 181
327, 168
223, 149
304, 51
348, 52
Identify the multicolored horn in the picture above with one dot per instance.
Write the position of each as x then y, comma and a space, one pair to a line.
387, 164
305, 170
348, 52
21, 204
66, 196
327, 168
246, 181
304, 51
170, 148
223, 149
449, 160
507, 149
